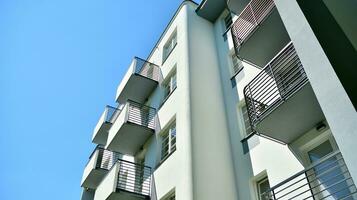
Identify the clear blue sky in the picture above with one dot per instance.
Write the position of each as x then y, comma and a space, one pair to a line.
60, 64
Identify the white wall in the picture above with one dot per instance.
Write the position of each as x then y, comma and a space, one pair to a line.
108, 184
213, 171
175, 173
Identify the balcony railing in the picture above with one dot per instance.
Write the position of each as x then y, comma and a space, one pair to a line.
106, 159
111, 113
99, 163
282, 77
134, 178
141, 115
249, 19
328, 178
146, 69
100, 132
139, 81
138, 114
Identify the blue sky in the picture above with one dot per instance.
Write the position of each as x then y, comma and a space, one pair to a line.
60, 64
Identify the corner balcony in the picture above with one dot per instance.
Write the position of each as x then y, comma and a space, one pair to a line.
139, 81
132, 127
125, 181
100, 133
280, 101
259, 33
100, 161
328, 178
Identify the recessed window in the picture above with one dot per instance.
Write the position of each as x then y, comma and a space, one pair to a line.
237, 65
247, 127
169, 46
228, 21
168, 144
171, 196
169, 85
263, 187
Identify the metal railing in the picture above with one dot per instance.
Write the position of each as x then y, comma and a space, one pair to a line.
106, 159
249, 19
111, 113
146, 69
141, 114
328, 178
134, 178
282, 77
138, 114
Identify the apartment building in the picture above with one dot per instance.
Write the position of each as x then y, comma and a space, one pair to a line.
237, 100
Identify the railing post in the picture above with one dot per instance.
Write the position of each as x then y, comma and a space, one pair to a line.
118, 181
308, 182
273, 194
127, 111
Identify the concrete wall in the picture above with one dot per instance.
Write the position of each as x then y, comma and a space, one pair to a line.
213, 171
333, 99
175, 172
108, 184
91, 165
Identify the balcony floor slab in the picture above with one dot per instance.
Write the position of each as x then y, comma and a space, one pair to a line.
293, 117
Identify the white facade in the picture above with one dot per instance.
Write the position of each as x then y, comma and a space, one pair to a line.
199, 148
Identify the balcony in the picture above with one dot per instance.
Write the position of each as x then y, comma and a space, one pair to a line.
132, 127
328, 178
259, 33
125, 181
138, 83
100, 161
280, 101
100, 133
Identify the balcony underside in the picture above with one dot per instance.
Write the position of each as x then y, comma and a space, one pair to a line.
124, 195
265, 41
94, 178
286, 121
102, 134
138, 88
130, 138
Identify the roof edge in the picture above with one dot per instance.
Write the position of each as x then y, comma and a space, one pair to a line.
169, 24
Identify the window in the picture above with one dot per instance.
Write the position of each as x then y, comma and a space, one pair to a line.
247, 126
228, 21
172, 196
169, 46
236, 64
262, 188
168, 145
169, 85
227, 24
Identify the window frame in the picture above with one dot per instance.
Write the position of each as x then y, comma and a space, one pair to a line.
169, 135
169, 46
242, 121
228, 18
234, 72
257, 185
171, 82
170, 196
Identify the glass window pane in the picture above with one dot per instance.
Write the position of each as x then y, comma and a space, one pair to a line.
248, 128
228, 20
263, 186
